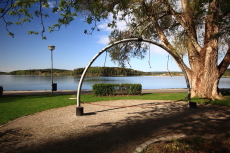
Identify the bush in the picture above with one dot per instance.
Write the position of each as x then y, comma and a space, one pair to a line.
102, 89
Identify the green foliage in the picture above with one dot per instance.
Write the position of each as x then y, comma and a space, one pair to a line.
137, 14
32, 32
102, 89
4, 73
9, 23
18, 23
12, 107
42, 72
10, 34
119, 71
23, 10
109, 71
2, 10
44, 37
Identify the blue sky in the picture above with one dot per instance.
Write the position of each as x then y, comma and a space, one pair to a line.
74, 49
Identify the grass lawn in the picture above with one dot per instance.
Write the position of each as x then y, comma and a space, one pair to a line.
12, 107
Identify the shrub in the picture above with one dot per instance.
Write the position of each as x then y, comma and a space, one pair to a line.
102, 89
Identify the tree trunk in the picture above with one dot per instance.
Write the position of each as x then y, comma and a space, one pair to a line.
205, 75
205, 87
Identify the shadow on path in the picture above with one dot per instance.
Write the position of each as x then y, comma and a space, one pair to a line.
125, 135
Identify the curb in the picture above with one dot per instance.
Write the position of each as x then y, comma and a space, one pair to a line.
141, 147
144, 145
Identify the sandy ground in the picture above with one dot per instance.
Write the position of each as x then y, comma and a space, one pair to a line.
117, 126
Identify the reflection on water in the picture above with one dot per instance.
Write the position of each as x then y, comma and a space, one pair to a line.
38, 82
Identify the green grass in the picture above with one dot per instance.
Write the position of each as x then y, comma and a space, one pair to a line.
153, 96
224, 102
12, 107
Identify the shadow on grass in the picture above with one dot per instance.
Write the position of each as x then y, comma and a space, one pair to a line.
146, 94
125, 135
222, 102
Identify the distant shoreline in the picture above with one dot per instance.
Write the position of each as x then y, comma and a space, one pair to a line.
106, 76
62, 92
99, 71
93, 71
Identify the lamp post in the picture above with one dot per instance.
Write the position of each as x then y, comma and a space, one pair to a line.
51, 48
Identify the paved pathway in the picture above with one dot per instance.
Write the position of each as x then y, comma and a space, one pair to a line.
110, 128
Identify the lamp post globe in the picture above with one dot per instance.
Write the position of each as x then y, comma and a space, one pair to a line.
51, 48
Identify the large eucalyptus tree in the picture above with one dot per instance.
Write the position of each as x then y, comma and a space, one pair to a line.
198, 28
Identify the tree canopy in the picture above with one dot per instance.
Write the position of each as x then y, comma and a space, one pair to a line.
175, 23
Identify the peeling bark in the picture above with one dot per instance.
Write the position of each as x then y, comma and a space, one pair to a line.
205, 76
205, 87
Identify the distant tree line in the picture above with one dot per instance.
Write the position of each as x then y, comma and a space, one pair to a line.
41, 72
119, 71
3, 73
108, 71
97, 71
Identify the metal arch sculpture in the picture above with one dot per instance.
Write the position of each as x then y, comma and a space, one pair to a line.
79, 109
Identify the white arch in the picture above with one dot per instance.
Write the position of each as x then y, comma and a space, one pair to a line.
79, 108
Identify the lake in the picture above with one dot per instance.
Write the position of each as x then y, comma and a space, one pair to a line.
39, 82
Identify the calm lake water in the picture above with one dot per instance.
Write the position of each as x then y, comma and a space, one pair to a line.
38, 82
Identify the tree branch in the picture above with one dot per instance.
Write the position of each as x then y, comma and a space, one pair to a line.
162, 36
132, 31
183, 24
6, 24
5, 8
211, 27
165, 42
145, 28
43, 27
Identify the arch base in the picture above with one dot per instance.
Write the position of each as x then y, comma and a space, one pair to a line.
79, 111
191, 104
